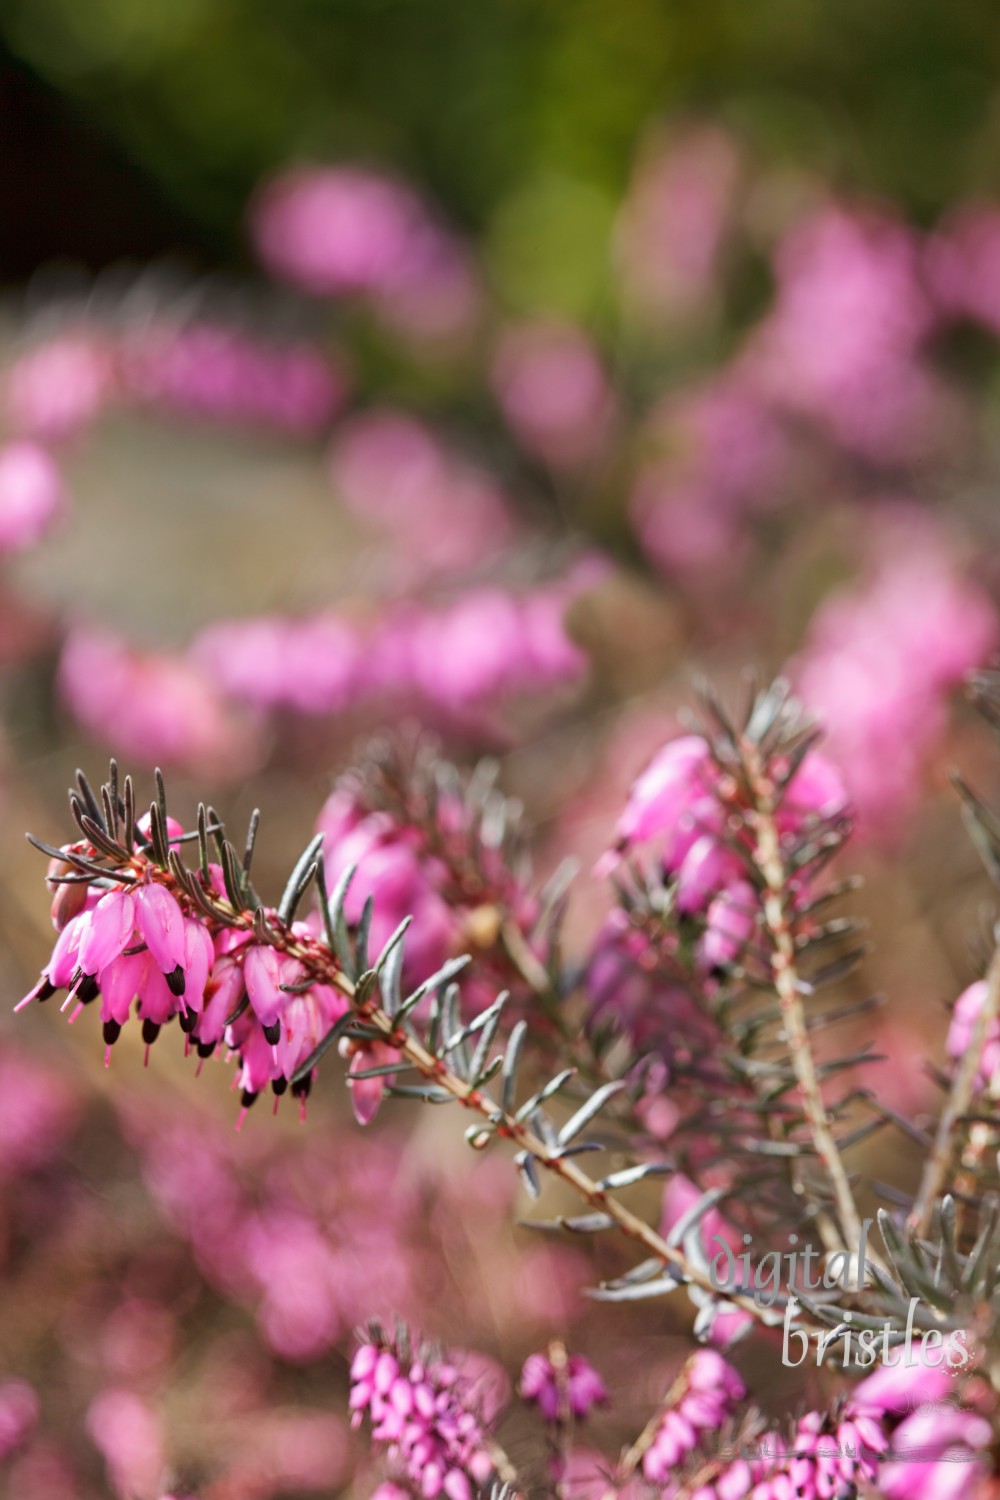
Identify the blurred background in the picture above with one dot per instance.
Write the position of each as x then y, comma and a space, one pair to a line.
493, 370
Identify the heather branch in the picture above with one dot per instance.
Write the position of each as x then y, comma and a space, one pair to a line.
322, 966
788, 987
387, 1023
939, 1162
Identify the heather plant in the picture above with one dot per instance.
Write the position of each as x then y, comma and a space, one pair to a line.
740, 943
739, 1252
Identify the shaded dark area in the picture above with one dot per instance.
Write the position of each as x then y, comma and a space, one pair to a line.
68, 192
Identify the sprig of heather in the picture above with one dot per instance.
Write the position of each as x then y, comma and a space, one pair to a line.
699, 1402
825, 1455
137, 925
420, 1405
747, 819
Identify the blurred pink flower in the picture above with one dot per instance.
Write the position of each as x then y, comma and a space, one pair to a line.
440, 514
19, 1410
963, 1020
680, 1196
710, 458
159, 707
842, 342
879, 662
311, 664
208, 370
32, 495
570, 1390
336, 230
62, 385
38, 1109
485, 646
129, 1435
939, 1444
963, 265
554, 392
343, 230
675, 221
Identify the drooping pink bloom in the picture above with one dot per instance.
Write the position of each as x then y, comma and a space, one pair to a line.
401, 878
32, 495
366, 1093
937, 1446
663, 799
570, 1388
160, 921
704, 1395
554, 393
108, 929
729, 924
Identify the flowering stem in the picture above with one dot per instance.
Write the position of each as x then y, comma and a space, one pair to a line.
322, 967
963, 1087
787, 984
633, 1456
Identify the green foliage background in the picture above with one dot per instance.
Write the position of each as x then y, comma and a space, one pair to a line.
521, 116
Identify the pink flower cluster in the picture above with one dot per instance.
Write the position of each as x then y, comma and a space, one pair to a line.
440, 513
61, 386
562, 1387
32, 495
208, 370
677, 802
424, 1411
305, 1245
878, 665
347, 231
135, 944
705, 1394
935, 1448
554, 392
160, 706
64, 384
820, 1460
453, 661
458, 893
842, 342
